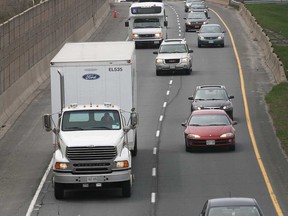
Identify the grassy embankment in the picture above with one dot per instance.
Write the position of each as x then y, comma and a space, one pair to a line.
273, 19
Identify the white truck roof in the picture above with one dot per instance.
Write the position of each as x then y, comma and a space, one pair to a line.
95, 52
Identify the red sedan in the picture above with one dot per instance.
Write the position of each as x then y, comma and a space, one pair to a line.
209, 128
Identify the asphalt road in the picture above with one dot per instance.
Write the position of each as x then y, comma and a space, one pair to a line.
182, 181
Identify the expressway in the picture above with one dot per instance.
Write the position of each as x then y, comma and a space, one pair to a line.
167, 179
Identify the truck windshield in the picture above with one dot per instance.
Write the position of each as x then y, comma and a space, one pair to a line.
91, 120
146, 23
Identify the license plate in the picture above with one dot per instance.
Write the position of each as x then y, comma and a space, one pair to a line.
210, 142
210, 42
156, 42
92, 179
172, 67
196, 26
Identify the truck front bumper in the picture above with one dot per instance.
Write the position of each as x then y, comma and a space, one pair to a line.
69, 178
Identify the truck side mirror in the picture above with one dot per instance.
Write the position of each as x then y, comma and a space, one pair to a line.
166, 23
127, 24
47, 123
134, 118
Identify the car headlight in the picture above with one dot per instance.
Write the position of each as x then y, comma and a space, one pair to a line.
159, 61
197, 107
185, 60
205, 11
135, 36
193, 136
201, 37
205, 22
188, 23
220, 37
229, 106
227, 135
61, 166
158, 35
122, 164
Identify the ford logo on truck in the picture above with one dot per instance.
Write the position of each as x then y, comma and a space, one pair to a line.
91, 76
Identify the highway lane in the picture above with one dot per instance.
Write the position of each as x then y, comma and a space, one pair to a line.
184, 180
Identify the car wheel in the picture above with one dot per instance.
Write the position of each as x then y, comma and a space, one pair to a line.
188, 71
222, 45
186, 30
126, 188
232, 148
59, 190
199, 45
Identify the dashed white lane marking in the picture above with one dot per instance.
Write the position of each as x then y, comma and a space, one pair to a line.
164, 104
161, 118
157, 133
154, 150
153, 197
154, 172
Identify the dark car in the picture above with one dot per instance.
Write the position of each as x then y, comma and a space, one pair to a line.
195, 20
211, 35
209, 129
212, 97
231, 206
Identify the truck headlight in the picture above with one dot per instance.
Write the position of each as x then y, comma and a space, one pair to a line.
158, 35
61, 166
159, 61
135, 36
122, 164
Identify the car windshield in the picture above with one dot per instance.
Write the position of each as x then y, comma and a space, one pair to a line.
189, 1
198, 6
197, 16
211, 94
173, 48
209, 120
210, 29
234, 211
146, 23
91, 120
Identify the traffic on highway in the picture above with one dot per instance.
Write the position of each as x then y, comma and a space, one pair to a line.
204, 143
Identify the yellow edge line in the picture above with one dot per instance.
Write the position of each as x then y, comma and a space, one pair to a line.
249, 125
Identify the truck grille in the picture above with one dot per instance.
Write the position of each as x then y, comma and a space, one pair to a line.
91, 153
91, 160
146, 35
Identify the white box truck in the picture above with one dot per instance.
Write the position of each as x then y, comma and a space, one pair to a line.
94, 119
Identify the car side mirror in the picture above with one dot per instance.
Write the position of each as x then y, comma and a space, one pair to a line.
190, 51
234, 122
127, 24
231, 97
184, 124
224, 31
190, 98
155, 52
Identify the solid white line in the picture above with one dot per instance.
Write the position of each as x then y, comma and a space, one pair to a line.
153, 197
157, 133
154, 172
154, 150
30, 209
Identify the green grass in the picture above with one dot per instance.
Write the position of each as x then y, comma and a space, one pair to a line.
271, 16
274, 19
277, 100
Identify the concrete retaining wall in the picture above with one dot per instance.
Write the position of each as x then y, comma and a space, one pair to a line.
30, 40
272, 60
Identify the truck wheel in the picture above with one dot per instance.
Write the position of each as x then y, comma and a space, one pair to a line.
134, 151
158, 73
126, 189
58, 190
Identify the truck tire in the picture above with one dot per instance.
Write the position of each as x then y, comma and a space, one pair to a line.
126, 189
58, 190
134, 151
